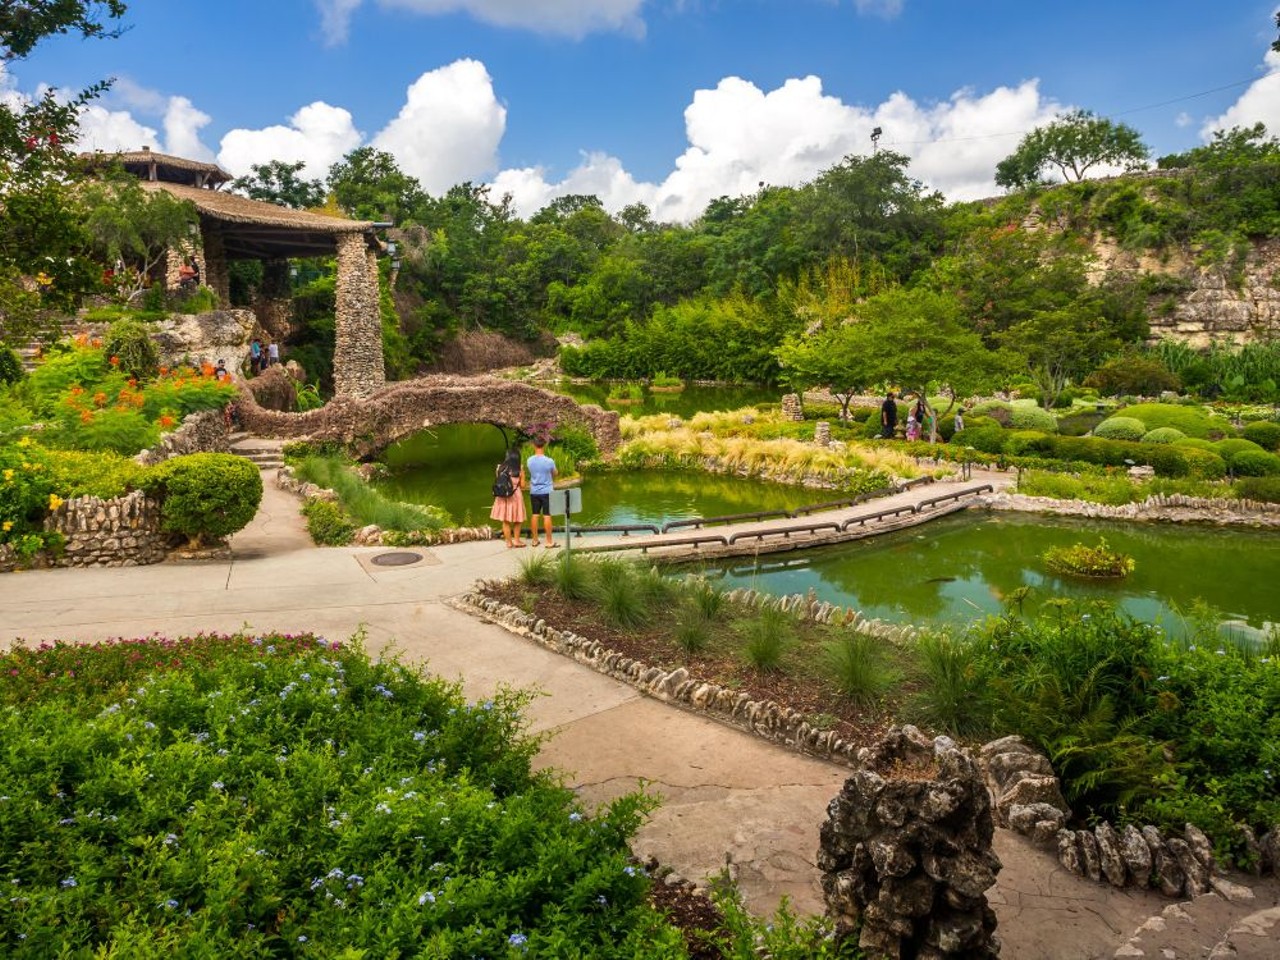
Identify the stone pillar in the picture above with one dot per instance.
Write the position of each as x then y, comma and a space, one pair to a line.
273, 305
906, 851
215, 273
792, 408
357, 358
822, 433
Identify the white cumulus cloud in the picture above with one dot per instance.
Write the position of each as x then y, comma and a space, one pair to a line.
318, 135
1260, 102
449, 128
741, 136
182, 125
573, 18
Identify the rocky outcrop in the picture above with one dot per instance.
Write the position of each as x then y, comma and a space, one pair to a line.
1223, 306
200, 338
905, 852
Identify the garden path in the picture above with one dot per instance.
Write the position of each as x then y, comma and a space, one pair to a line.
728, 798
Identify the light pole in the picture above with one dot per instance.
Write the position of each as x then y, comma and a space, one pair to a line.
875, 140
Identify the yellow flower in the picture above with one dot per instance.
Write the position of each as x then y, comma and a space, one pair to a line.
43, 279
55, 501
8, 475
26, 441
7, 526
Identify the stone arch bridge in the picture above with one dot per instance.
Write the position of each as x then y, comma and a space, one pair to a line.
368, 425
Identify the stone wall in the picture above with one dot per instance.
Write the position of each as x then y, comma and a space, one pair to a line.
1168, 508
370, 424
216, 277
358, 369
197, 338
122, 532
906, 854
203, 432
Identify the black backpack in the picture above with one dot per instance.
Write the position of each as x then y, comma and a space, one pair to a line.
502, 485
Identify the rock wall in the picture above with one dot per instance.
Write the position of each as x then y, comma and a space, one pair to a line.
195, 339
906, 853
123, 532
203, 432
358, 369
1167, 508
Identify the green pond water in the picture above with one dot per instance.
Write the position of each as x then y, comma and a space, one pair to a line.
453, 467
961, 568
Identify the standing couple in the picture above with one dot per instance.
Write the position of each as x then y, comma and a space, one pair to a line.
508, 507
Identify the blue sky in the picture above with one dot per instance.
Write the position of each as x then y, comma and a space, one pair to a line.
667, 102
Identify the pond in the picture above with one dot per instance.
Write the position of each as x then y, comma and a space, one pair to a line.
957, 569
453, 467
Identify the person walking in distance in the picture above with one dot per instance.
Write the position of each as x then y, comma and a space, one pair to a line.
542, 473
888, 416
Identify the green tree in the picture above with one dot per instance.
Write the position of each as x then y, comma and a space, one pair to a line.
126, 222
368, 184
1073, 144
24, 24
1227, 148
279, 182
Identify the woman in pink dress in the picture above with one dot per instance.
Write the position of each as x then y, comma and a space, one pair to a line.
509, 510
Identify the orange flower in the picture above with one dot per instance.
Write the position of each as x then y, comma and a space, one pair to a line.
133, 382
82, 340
100, 399
114, 361
95, 342
166, 421
86, 416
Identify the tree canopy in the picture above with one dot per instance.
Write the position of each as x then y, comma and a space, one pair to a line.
279, 182
1073, 144
24, 24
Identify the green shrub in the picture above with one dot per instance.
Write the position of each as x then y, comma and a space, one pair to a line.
1095, 488
129, 348
955, 693
115, 429
63, 368
1255, 463
858, 665
1227, 449
989, 437
708, 599
1193, 421
367, 505
573, 578
1082, 560
26, 490
1133, 375
1265, 433
1120, 428
1266, 489
78, 473
1001, 411
1025, 417
620, 596
1079, 422
205, 495
767, 635
1163, 435
692, 632
1203, 464
11, 369
1196, 443
1022, 443
327, 523
535, 569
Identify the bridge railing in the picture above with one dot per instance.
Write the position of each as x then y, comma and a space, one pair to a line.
786, 532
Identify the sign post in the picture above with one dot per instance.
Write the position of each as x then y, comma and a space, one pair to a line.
566, 502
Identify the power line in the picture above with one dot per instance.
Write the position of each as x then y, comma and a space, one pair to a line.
1120, 113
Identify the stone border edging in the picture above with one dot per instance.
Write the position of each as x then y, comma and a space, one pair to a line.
1171, 508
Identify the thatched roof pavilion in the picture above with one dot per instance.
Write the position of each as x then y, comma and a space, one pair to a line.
233, 227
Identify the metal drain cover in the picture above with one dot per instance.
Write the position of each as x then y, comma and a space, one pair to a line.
400, 558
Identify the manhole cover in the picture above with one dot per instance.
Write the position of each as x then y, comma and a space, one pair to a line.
400, 559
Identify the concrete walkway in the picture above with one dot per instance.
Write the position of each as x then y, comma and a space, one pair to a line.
728, 798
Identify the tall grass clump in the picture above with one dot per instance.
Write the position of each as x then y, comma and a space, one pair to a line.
692, 632
858, 665
573, 579
707, 598
955, 691
365, 503
766, 637
621, 595
536, 570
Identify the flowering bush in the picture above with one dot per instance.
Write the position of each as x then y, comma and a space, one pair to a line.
278, 796
26, 490
1082, 560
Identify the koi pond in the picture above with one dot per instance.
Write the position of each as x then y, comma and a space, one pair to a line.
959, 568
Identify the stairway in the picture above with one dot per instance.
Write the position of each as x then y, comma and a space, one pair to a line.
263, 451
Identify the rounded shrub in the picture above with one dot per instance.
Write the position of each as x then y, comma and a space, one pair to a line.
128, 347
206, 495
988, 437
1254, 463
1197, 443
11, 370
1120, 428
1202, 464
1164, 435
1265, 433
1230, 448
1193, 421
1023, 443
328, 523
1026, 417
1001, 411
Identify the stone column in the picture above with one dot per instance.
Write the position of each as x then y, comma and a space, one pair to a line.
792, 407
215, 273
273, 305
357, 357
906, 852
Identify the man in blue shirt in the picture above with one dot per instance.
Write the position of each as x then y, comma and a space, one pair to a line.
542, 471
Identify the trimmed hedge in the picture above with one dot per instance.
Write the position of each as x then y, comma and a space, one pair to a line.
1265, 433
1193, 421
205, 494
1023, 417
1121, 428
1164, 435
1266, 489
1255, 463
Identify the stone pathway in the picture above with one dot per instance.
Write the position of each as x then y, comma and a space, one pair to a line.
729, 800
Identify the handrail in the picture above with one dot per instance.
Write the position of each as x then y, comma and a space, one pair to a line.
727, 518
785, 531
626, 529
955, 495
878, 515
917, 482
645, 545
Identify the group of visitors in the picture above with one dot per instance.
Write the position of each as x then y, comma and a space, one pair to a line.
921, 420
508, 496
262, 356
